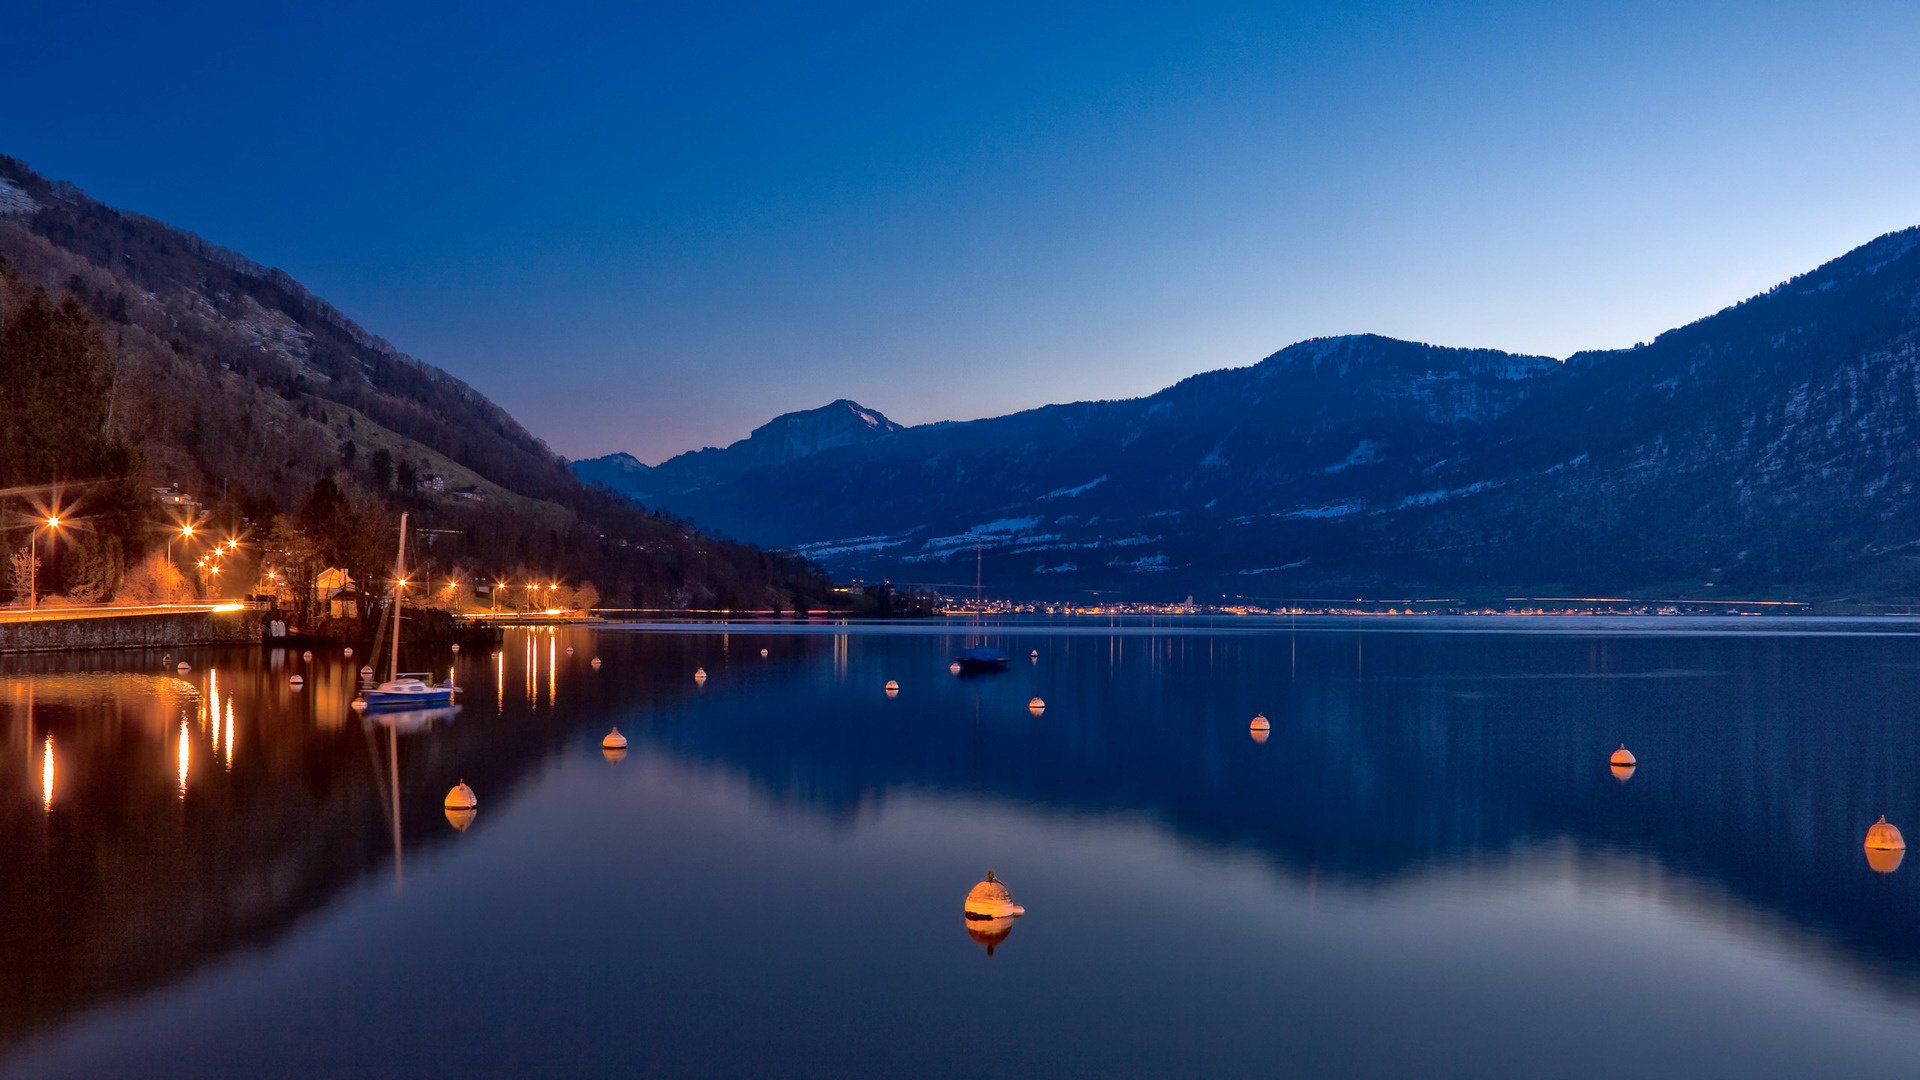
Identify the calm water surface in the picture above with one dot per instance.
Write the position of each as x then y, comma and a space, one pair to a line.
1427, 869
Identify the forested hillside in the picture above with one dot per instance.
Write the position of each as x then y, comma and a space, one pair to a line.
139, 357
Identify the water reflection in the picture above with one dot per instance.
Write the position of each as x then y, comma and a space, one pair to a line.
1441, 775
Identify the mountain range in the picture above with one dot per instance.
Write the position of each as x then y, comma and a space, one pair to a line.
1771, 447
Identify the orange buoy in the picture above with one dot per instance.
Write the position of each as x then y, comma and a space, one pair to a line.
614, 741
1036, 706
991, 900
1884, 837
462, 798
594, 663
699, 674
1623, 756
954, 667
1886, 848
1260, 723
460, 819
1259, 734
347, 652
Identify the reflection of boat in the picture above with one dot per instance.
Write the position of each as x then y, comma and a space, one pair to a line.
412, 720
982, 658
412, 690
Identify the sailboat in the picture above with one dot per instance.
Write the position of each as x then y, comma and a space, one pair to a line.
404, 690
983, 657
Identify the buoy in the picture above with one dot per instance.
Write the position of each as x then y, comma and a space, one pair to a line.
1622, 773
595, 662
367, 672
954, 667
296, 682
462, 798
167, 659
1260, 723
1259, 734
347, 652
991, 900
461, 818
1036, 706
569, 650
1034, 655
699, 674
456, 650
1623, 756
1884, 837
892, 688
763, 652
614, 741
308, 655
1886, 848
183, 668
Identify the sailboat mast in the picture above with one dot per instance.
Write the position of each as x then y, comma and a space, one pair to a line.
399, 586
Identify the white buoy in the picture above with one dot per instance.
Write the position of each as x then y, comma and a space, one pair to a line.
456, 649
1036, 706
1034, 655
367, 672
347, 652
596, 662
699, 674
763, 652
308, 655
569, 650
184, 667
296, 682
462, 797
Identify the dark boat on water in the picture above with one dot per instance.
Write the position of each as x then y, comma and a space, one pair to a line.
981, 658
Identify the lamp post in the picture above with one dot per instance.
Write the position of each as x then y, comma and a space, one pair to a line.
52, 523
184, 532
498, 588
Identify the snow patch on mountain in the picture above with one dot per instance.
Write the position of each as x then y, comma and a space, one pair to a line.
15, 200
1070, 492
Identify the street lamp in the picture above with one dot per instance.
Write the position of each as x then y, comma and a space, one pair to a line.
52, 523
184, 532
498, 588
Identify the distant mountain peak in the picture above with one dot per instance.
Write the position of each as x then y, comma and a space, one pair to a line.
782, 440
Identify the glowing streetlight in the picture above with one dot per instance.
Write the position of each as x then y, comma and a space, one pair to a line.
498, 588
52, 524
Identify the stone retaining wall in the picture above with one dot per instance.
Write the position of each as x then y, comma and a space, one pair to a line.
134, 632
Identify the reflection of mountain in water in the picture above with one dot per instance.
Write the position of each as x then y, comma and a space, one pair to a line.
1762, 762
126, 884
1762, 759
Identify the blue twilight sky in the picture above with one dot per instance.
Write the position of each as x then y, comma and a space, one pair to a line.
652, 227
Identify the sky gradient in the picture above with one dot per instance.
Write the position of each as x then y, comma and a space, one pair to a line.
651, 229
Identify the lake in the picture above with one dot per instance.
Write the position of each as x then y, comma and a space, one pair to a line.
1426, 868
